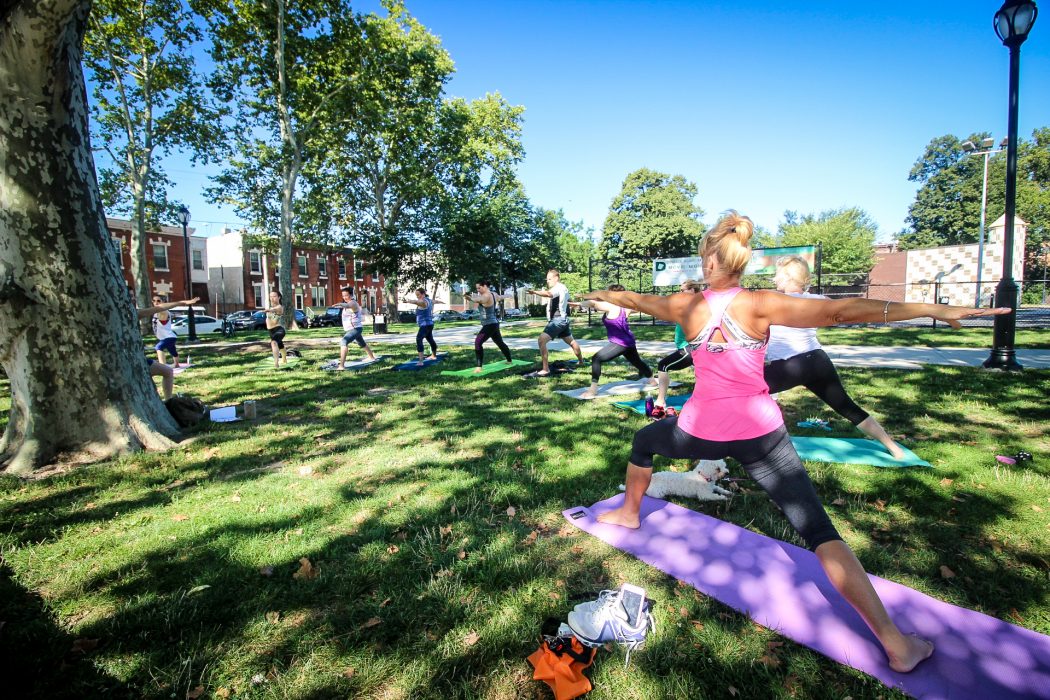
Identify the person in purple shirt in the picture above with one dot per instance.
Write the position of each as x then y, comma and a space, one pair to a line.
621, 342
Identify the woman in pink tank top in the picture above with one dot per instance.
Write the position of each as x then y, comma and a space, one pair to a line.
731, 414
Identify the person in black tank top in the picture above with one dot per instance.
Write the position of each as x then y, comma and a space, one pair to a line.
486, 301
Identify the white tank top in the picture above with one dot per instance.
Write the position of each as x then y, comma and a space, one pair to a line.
785, 342
161, 329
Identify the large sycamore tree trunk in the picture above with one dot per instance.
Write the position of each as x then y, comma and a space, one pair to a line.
69, 341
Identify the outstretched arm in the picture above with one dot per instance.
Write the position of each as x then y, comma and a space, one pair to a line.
602, 306
147, 312
675, 307
784, 310
538, 292
417, 302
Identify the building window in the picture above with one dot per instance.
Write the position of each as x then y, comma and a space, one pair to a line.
322, 267
118, 249
257, 289
299, 299
255, 262
302, 266
359, 270
319, 297
160, 257
342, 268
198, 259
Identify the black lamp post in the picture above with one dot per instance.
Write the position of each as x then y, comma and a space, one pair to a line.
184, 217
1013, 21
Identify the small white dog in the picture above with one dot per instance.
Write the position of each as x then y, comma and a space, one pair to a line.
698, 483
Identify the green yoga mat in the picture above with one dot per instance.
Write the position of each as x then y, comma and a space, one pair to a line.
490, 368
638, 406
267, 364
853, 451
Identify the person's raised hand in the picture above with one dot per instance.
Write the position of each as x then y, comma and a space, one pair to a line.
953, 314
592, 296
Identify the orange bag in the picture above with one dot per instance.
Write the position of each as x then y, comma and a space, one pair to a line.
559, 662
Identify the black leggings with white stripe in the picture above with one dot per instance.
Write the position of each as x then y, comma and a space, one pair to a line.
610, 352
679, 359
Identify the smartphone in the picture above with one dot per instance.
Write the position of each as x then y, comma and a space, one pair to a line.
633, 600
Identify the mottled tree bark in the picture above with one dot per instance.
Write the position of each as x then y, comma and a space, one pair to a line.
69, 340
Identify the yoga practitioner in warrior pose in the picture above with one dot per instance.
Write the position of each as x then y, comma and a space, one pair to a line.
425, 321
557, 319
621, 342
794, 358
159, 369
486, 301
679, 359
731, 414
352, 328
275, 329
165, 333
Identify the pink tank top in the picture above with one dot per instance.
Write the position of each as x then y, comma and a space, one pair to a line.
730, 400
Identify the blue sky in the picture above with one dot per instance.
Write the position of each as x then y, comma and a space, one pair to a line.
765, 106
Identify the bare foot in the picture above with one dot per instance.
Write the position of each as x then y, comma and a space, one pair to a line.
589, 394
897, 452
621, 518
433, 357
917, 650
477, 370
419, 363
543, 373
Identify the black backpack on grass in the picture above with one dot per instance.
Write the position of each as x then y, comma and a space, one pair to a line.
186, 410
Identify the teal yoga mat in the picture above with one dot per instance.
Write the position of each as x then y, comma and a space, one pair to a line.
490, 368
853, 451
638, 406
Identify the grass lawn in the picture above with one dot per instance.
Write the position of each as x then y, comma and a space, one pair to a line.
383, 534
942, 336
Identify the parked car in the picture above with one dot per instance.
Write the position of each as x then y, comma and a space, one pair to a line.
259, 320
201, 323
472, 315
332, 316
448, 315
514, 313
240, 319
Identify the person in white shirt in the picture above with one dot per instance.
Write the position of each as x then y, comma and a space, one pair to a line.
794, 357
165, 333
352, 326
557, 319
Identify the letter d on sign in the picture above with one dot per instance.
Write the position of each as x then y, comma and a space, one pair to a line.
660, 265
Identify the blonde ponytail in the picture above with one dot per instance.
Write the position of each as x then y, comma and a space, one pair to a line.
730, 242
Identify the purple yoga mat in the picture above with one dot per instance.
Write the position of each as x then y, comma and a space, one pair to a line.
782, 587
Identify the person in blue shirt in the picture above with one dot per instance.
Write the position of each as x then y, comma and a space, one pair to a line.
425, 321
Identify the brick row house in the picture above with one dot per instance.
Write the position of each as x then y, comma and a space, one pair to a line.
240, 276
165, 260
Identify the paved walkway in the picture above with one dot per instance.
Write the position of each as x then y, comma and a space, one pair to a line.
898, 357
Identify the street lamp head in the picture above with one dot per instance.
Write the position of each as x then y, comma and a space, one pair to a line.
1014, 20
987, 143
968, 146
1005, 142
184, 215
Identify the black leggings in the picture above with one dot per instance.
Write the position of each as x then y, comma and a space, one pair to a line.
770, 460
610, 352
489, 331
814, 371
679, 359
426, 332
277, 336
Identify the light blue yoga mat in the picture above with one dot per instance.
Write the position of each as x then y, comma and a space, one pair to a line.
853, 451
638, 406
414, 364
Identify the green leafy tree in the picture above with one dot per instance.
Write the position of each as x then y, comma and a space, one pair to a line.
653, 216
846, 236
146, 101
947, 206
283, 65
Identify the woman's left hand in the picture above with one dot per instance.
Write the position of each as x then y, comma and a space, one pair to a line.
953, 314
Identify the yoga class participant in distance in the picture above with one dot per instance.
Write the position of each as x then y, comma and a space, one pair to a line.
275, 329
352, 326
159, 369
794, 358
486, 301
425, 321
730, 413
679, 359
557, 319
165, 333
621, 342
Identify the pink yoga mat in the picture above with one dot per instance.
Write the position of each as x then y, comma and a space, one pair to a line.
783, 587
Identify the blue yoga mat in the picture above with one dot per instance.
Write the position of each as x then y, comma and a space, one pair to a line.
638, 406
414, 365
853, 451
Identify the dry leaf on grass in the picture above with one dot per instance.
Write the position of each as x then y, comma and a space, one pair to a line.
946, 572
733, 691
1037, 509
195, 693
453, 510
769, 661
222, 693
947, 482
179, 517
273, 617
683, 611
880, 505
511, 511
385, 603
461, 554
839, 502
554, 596
697, 624
83, 645
348, 673
393, 549
372, 622
531, 538
445, 530
236, 498
306, 570
471, 639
